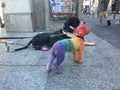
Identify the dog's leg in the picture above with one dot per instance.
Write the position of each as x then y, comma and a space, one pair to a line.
74, 56
80, 52
50, 62
57, 69
60, 57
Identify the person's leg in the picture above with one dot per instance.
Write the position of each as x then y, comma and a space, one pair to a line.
107, 18
101, 17
106, 14
118, 21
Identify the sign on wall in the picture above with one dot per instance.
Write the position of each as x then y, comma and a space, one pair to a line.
17, 6
62, 9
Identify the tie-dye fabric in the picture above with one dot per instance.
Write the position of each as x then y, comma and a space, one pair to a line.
70, 44
60, 47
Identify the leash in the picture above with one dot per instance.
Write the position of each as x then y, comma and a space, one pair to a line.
7, 48
14, 37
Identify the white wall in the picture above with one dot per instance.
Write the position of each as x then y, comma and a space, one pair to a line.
17, 6
18, 15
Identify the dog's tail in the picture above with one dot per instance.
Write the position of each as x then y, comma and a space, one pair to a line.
23, 47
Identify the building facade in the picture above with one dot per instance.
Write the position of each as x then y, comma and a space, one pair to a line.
35, 15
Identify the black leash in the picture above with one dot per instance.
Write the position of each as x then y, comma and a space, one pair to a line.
14, 37
6, 44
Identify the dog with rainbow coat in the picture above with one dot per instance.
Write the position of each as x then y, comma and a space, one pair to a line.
74, 45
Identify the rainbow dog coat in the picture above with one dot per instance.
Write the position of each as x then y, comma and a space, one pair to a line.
69, 45
60, 47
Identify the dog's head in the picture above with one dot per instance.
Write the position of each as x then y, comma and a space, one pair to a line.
73, 22
82, 29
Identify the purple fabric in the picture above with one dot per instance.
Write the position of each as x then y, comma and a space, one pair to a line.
57, 51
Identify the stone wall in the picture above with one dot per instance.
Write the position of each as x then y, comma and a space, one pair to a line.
31, 16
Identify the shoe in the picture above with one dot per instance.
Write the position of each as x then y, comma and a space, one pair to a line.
99, 25
108, 22
2, 25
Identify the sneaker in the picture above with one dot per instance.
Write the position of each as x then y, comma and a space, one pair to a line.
99, 25
108, 22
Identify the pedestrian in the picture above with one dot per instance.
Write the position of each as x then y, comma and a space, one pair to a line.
1, 23
118, 21
88, 11
85, 10
97, 12
102, 6
114, 2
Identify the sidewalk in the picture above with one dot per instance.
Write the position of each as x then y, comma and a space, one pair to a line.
26, 69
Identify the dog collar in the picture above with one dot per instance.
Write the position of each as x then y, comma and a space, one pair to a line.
81, 37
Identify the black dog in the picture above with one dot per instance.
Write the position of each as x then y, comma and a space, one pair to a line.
48, 39
45, 39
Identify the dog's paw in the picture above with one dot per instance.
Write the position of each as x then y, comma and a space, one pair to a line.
48, 70
80, 62
57, 69
75, 61
58, 72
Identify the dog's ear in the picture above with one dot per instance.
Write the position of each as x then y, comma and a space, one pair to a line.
84, 22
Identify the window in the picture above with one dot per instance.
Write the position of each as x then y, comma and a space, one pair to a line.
62, 9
